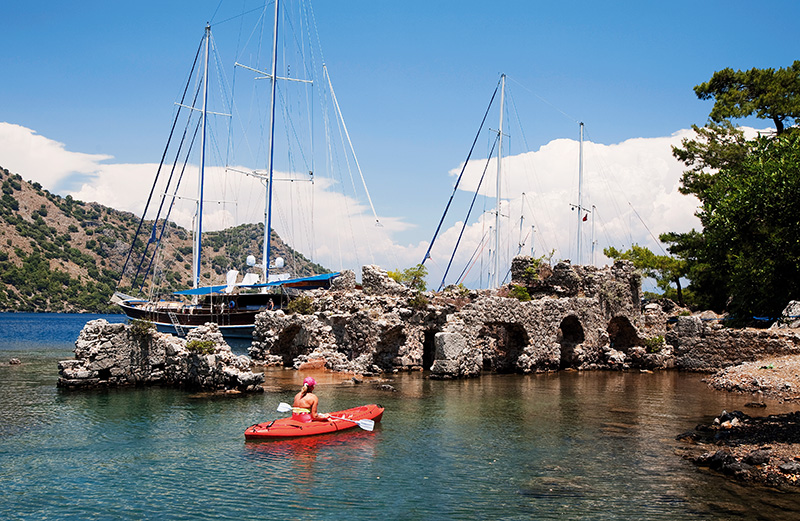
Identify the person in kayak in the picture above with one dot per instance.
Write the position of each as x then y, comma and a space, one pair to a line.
304, 407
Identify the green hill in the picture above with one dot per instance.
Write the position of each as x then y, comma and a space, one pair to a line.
59, 254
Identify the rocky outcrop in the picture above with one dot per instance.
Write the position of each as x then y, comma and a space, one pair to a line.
111, 355
579, 317
749, 449
790, 318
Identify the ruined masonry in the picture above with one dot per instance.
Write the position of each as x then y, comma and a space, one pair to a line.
578, 317
112, 355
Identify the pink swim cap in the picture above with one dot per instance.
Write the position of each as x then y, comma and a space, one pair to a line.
309, 381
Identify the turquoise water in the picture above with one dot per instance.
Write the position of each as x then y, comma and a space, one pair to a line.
566, 446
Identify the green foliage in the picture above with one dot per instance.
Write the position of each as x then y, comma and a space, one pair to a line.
747, 258
303, 305
714, 146
765, 93
654, 344
413, 278
664, 268
419, 302
142, 328
201, 347
520, 293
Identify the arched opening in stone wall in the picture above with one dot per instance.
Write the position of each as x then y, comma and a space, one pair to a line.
622, 334
285, 346
570, 334
501, 345
388, 347
429, 349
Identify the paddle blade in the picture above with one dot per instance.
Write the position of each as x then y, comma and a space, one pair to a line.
284, 407
367, 425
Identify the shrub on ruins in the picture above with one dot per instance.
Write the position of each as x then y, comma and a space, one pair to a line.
201, 347
141, 328
654, 344
413, 278
418, 302
520, 293
303, 305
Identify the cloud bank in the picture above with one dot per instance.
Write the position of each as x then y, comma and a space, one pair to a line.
630, 193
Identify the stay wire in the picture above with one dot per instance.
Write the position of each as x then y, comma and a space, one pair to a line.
469, 212
158, 172
458, 181
174, 196
164, 196
473, 259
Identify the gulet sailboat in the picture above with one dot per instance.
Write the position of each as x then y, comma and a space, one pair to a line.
233, 306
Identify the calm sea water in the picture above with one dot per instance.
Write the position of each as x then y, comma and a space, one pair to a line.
565, 446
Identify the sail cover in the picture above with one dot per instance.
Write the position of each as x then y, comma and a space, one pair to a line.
315, 281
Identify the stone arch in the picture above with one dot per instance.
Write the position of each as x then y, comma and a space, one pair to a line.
570, 335
501, 345
285, 345
388, 347
429, 348
622, 334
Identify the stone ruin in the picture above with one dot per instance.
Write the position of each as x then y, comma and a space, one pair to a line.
578, 317
113, 355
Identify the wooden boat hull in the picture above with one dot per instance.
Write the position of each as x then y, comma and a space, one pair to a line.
289, 428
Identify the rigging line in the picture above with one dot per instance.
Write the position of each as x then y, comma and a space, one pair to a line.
166, 189
334, 170
542, 238
161, 205
479, 255
349, 142
609, 172
216, 11
172, 202
340, 126
473, 258
240, 15
537, 186
458, 181
163, 156
603, 227
648, 229
544, 100
469, 212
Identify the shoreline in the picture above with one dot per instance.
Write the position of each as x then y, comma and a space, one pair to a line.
763, 450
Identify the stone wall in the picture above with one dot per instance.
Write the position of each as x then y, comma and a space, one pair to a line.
112, 355
705, 345
579, 317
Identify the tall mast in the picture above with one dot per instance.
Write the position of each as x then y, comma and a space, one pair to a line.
198, 220
496, 274
579, 258
268, 205
594, 242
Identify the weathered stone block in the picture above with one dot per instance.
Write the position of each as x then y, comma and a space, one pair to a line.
449, 345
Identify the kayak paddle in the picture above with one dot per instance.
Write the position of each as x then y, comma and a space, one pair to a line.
367, 425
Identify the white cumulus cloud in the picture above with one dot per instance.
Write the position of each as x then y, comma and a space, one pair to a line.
630, 189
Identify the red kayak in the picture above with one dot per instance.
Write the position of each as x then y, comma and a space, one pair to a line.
289, 428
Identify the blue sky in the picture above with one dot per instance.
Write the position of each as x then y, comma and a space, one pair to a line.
413, 79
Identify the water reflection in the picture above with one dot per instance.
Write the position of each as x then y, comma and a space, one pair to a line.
553, 446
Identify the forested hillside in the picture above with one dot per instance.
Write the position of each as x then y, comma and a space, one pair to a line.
64, 255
